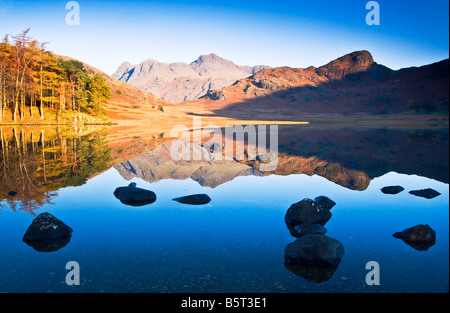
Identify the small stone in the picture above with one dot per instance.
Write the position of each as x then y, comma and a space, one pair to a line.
197, 199
425, 193
392, 190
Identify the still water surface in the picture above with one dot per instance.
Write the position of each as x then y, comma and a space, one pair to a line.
236, 242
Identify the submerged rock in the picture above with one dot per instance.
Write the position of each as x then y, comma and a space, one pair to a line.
311, 272
305, 212
325, 202
197, 199
425, 193
420, 237
46, 228
314, 249
131, 195
392, 190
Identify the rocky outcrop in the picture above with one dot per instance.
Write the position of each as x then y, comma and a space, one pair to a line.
47, 233
197, 199
313, 256
131, 195
325, 202
420, 237
217, 95
392, 190
303, 213
428, 193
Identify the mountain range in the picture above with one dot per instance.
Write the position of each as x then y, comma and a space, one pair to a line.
178, 82
351, 84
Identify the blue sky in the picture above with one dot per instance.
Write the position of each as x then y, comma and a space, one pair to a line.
277, 33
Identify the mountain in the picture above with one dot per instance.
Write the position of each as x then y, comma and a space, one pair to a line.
349, 85
178, 82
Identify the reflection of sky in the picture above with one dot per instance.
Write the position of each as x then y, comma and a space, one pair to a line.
236, 240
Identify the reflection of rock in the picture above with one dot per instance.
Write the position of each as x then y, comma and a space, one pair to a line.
314, 250
325, 202
49, 245
197, 199
311, 272
420, 237
310, 229
392, 190
47, 233
425, 193
305, 212
131, 195
11, 193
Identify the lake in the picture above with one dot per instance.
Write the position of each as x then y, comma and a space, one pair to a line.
236, 242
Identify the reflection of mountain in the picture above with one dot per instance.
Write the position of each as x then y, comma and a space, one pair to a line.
348, 157
158, 165
37, 162
373, 152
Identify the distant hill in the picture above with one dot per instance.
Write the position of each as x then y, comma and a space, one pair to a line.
178, 82
351, 84
127, 101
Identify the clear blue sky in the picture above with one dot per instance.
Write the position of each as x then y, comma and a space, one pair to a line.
277, 33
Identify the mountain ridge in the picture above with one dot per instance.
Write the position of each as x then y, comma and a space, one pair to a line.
178, 81
351, 84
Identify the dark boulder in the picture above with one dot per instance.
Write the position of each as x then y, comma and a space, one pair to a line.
314, 250
420, 237
305, 212
47, 233
131, 195
392, 190
325, 202
425, 193
197, 199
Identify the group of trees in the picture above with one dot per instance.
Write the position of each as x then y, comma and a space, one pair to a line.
32, 77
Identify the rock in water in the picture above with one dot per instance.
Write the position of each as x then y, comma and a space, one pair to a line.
305, 212
46, 227
420, 237
325, 202
425, 193
314, 250
392, 190
197, 199
131, 195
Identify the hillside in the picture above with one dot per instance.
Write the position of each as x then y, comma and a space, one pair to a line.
352, 84
127, 102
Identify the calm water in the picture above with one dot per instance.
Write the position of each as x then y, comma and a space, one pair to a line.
236, 242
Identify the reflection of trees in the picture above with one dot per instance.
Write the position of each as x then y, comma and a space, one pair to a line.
36, 163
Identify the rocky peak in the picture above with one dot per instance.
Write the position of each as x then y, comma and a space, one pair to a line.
358, 61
